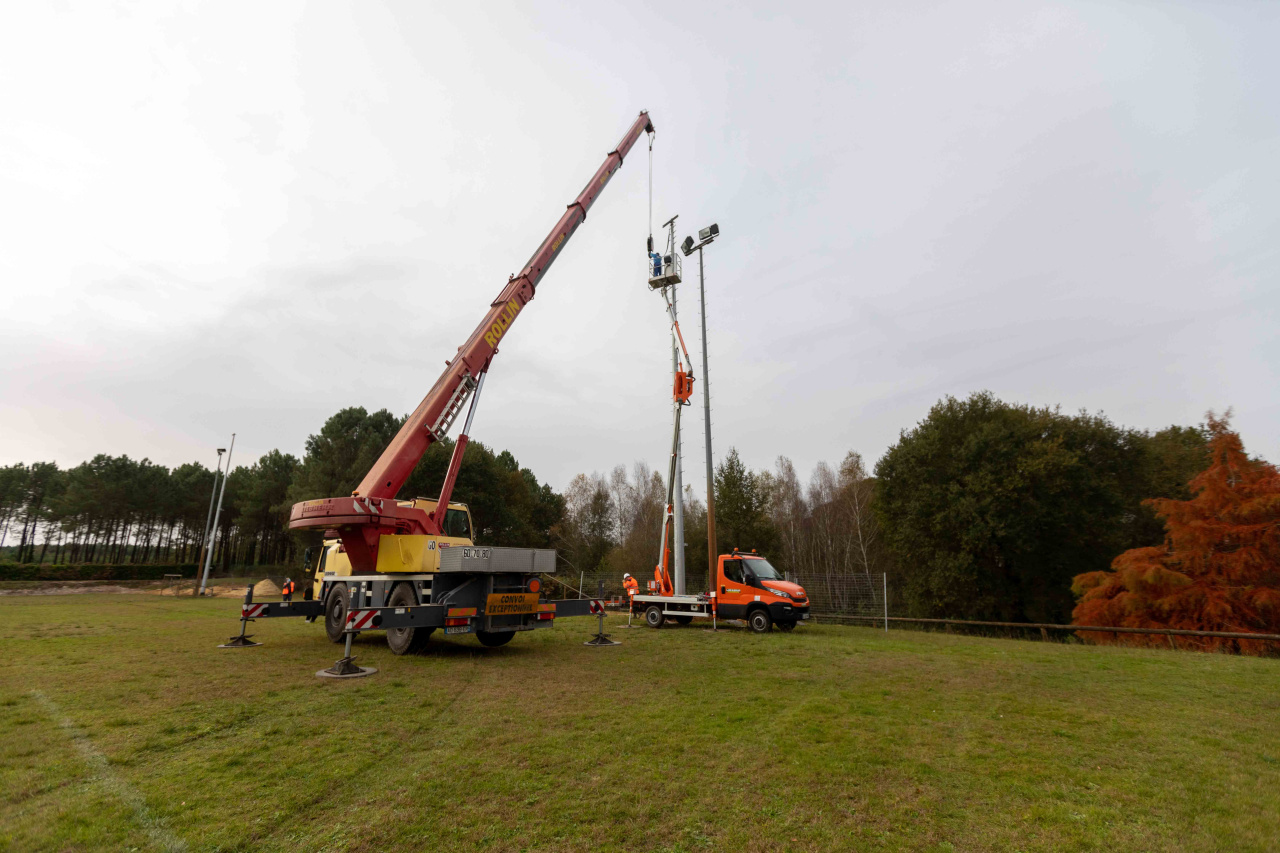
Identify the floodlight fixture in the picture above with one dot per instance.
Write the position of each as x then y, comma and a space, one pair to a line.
705, 236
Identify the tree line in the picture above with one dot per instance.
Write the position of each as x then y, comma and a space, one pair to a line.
825, 528
113, 509
984, 510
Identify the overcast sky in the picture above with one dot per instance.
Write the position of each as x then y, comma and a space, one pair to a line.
243, 217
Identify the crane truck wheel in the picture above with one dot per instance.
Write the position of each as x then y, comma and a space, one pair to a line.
335, 613
406, 640
786, 626
684, 620
653, 616
760, 621
493, 639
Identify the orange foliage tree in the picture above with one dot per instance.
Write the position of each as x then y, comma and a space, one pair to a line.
1219, 569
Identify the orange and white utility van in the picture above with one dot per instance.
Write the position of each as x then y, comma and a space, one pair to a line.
747, 587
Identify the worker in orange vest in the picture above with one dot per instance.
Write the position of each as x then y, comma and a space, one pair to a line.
287, 589
631, 587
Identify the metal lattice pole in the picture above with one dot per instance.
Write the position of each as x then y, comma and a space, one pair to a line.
208, 556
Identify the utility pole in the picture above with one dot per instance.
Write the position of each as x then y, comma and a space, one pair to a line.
678, 509
208, 521
208, 554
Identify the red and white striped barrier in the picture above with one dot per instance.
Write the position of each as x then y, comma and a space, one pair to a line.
359, 620
597, 606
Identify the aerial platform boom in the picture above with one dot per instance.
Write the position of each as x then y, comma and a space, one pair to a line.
372, 511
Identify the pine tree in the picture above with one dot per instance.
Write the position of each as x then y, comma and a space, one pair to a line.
1219, 569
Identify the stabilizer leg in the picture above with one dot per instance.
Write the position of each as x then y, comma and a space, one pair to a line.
346, 666
601, 638
241, 640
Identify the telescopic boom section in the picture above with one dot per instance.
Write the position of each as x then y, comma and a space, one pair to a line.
371, 510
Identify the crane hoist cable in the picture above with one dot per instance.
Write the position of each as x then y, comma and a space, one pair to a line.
650, 244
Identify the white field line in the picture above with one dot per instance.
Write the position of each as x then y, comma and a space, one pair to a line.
160, 836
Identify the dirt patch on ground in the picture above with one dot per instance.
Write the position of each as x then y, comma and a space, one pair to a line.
265, 587
186, 588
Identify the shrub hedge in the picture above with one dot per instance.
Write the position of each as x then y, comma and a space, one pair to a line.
91, 572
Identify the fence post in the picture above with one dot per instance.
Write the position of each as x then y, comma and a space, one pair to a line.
885, 575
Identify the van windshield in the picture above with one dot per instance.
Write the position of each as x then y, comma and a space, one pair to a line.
763, 571
455, 524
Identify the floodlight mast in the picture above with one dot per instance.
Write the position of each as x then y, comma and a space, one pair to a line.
706, 236
217, 514
208, 521
371, 511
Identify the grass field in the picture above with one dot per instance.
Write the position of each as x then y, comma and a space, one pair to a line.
123, 727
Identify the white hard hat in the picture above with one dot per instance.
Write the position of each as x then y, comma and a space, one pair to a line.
626, 574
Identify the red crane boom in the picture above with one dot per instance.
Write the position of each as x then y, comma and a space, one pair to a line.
371, 511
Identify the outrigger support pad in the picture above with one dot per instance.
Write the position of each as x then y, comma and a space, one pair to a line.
241, 640
346, 668
601, 638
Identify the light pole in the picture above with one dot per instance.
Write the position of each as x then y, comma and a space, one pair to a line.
208, 554
705, 236
208, 521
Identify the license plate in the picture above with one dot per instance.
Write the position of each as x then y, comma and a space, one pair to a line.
511, 604
458, 629
804, 615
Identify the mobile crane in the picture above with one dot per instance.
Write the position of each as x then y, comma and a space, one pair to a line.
411, 566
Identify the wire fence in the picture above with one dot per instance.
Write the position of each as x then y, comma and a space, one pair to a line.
567, 583
862, 595
863, 599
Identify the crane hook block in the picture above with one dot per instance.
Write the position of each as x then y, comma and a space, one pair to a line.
684, 386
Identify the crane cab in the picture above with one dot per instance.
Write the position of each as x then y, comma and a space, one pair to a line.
751, 588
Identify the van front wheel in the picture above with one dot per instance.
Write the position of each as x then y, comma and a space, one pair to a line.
760, 621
